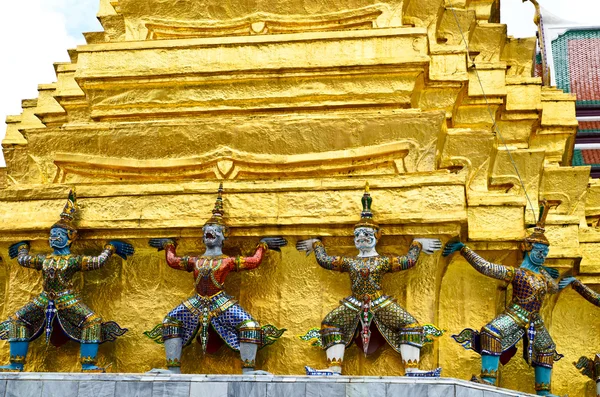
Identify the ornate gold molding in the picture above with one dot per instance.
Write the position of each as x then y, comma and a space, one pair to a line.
269, 23
228, 163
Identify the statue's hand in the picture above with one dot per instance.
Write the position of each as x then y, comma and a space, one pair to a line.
160, 242
122, 248
306, 245
451, 247
13, 250
430, 245
565, 282
274, 243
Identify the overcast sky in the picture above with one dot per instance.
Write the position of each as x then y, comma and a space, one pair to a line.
36, 33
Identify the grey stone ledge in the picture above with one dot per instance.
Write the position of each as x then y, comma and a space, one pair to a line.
38, 384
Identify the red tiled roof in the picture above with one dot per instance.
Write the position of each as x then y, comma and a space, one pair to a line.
584, 68
537, 70
589, 125
591, 156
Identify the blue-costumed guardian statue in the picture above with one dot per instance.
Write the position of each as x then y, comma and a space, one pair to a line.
521, 319
58, 311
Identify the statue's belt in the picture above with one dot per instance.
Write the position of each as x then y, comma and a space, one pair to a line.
377, 301
213, 305
521, 316
61, 300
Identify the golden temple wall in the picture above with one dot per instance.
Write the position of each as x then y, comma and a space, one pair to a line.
294, 105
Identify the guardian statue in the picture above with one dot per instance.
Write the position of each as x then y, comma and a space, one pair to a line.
211, 310
58, 312
521, 319
368, 306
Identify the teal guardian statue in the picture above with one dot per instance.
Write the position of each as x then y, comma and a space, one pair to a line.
58, 312
588, 366
212, 316
521, 319
368, 313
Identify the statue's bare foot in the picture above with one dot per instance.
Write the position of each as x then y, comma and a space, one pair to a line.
11, 368
321, 372
478, 379
93, 369
248, 371
419, 373
172, 371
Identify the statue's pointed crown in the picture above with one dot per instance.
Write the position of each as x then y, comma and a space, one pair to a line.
68, 213
366, 215
538, 235
218, 212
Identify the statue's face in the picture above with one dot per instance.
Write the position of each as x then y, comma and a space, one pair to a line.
538, 253
213, 236
59, 238
364, 238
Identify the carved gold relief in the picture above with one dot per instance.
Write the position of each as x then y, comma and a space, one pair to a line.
226, 163
268, 23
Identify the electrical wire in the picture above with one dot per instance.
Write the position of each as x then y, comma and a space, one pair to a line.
494, 124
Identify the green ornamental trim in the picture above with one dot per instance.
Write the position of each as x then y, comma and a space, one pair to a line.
579, 161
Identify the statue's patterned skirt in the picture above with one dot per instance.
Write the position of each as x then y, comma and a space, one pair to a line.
392, 320
502, 333
220, 310
77, 321
509, 332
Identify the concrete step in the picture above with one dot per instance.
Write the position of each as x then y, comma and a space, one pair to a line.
37, 384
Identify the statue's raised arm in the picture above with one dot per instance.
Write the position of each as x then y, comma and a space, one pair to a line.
252, 262
20, 251
405, 262
493, 270
589, 294
170, 247
328, 262
120, 248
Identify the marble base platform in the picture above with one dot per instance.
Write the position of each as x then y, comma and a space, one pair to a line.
36, 384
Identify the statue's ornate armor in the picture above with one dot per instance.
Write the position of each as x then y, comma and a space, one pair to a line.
211, 305
395, 324
521, 317
59, 304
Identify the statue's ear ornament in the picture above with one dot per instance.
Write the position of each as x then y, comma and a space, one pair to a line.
67, 216
218, 213
540, 228
366, 215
